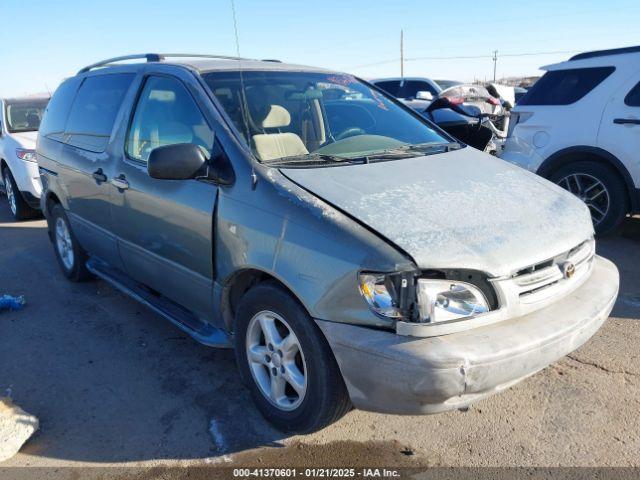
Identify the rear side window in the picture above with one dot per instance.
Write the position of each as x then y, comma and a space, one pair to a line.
411, 88
407, 89
94, 110
55, 116
563, 87
166, 114
633, 97
392, 87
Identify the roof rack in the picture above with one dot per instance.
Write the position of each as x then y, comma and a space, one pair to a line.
154, 57
606, 53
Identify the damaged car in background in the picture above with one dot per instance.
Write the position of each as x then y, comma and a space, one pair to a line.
473, 114
352, 253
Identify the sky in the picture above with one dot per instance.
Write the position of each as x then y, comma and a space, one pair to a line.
45, 41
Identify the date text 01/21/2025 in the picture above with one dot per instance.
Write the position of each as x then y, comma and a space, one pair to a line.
315, 473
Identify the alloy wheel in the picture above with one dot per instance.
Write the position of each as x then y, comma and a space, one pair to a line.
64, 244
276, 360
11, 197
591, 191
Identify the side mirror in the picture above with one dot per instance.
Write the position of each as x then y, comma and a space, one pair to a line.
180, 161
424, 95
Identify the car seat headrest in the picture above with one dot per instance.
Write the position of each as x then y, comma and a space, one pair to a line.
277, 117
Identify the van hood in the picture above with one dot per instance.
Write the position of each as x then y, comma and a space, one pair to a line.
461, 209
26, 139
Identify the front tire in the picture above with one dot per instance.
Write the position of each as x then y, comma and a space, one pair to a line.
20, 209
600, 187
70, 255
286, 362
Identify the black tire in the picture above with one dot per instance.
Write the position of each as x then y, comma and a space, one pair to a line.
615, 186
326, 399
23, 210
77, 271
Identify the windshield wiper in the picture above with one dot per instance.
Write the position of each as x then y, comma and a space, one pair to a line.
404, 151
428, 147
313, 158
411, 150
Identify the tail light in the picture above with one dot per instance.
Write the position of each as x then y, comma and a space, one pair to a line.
493, 101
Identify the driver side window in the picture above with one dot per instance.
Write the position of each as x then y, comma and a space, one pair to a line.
166, 114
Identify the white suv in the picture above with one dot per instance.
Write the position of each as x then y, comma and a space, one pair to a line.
19, 123
579, 126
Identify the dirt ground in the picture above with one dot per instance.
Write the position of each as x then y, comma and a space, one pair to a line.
115, 385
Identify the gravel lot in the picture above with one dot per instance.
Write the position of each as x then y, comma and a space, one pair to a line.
112, 383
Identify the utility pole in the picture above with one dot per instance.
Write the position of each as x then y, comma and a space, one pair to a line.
495, 63
401, 54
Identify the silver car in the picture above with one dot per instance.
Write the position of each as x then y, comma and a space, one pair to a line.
352, 253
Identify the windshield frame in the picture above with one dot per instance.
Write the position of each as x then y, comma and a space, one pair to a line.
240, 138
22, 101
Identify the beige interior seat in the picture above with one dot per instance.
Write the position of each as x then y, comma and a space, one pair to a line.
278, 144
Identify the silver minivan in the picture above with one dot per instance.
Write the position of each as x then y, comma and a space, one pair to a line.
352, 253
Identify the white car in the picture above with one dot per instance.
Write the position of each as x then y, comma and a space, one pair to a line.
579, 126
19, 123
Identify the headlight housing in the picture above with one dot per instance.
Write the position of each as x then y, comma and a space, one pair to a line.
444, 300
405, 296
380, 293
26, 155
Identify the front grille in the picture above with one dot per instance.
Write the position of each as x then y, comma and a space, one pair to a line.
546, 274
533, 286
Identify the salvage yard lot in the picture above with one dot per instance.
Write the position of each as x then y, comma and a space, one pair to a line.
111, 382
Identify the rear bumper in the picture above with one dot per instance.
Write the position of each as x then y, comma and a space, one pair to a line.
389, 373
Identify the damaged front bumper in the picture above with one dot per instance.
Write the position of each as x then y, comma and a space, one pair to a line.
389, 373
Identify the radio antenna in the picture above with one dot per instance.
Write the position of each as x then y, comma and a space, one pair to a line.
243, 96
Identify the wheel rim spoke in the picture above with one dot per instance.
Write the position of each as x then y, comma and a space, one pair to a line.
590, 187
269, 330
289, 347
295, 378
576, 179
597, 209
278, 385
596, 195
258, 354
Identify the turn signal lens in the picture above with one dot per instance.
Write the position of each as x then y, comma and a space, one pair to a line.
378, 293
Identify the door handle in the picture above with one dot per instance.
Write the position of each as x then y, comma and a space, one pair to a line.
120, 182
99, 176
627, 121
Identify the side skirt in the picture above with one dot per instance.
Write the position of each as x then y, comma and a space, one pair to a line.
181, 317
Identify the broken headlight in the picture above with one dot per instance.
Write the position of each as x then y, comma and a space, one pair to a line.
443, 300
380, 293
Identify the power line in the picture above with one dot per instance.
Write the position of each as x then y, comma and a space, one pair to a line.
467, 57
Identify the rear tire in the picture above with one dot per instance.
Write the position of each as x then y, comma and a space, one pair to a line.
70, 255
317, 396
600, 187
19, 208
